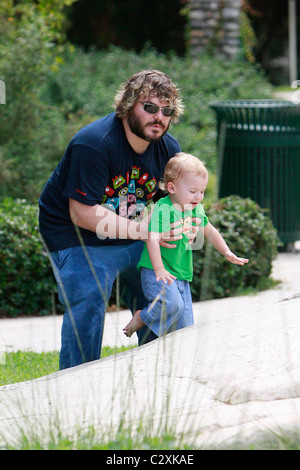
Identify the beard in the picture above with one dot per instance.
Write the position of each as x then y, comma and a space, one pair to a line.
139, 129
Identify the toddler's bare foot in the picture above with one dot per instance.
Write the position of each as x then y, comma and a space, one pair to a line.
135, 324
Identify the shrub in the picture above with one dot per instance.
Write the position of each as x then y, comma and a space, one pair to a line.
249, 232
27, 285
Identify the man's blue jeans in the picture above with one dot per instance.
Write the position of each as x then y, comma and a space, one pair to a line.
85, 277
170, 306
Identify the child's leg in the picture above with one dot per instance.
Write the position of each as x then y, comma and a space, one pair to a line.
165, 303
135, 324
131, 291
187, 316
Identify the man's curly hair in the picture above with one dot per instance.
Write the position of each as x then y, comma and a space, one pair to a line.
148, 82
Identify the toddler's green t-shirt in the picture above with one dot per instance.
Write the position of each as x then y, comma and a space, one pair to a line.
178, 261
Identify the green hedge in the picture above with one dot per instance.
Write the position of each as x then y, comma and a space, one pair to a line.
249, 232
27, 285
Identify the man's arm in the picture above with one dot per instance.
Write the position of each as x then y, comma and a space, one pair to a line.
107, 224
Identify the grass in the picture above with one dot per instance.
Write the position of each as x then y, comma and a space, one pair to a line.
21, 366
90, 441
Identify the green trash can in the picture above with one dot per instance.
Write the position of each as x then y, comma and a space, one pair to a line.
259, 157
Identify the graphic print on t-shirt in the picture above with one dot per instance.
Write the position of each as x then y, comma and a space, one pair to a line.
129, 194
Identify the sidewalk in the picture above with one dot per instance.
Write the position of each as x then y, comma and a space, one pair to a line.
42, 334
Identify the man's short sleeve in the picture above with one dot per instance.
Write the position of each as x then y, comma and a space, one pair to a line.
88, 175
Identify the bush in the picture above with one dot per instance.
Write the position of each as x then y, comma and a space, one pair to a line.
27, 285
249, 232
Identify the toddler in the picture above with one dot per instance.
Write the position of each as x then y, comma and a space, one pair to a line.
166, 273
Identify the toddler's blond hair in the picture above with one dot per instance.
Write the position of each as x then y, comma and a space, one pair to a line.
180, 164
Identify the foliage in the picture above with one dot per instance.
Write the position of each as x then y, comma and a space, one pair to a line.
27, 285
26, 53
90, 94
248, 37
51, 12
20, 366
54, 89
249, 232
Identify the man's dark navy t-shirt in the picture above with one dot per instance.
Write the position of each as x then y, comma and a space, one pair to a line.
100, 167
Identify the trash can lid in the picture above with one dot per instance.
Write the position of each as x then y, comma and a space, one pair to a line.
255, 103
267, 115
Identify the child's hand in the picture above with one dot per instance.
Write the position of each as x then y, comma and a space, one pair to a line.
165, 276
232, 258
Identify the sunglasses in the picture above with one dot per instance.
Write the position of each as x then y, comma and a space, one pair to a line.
153, 109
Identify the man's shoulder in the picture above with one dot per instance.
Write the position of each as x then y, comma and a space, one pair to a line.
170, 140
94, 133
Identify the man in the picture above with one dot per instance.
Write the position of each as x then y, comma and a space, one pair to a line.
92, 205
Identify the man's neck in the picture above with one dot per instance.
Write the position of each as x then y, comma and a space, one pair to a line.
139, 145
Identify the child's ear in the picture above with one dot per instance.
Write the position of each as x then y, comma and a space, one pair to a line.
171, 187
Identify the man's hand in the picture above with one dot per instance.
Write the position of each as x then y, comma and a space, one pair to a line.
172, 235
193, 230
